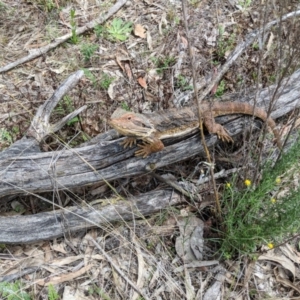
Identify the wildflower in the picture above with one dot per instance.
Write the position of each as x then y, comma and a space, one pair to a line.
277, 180
273, 200
270, 245
247, 182
228, 185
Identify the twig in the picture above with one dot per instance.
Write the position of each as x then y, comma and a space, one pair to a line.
108, 258
173, 185
34, 53
221, 174
15, 276
198, 101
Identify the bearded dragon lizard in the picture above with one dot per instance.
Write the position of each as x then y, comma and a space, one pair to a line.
152, 128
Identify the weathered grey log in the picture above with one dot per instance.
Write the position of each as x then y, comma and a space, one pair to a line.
49, 225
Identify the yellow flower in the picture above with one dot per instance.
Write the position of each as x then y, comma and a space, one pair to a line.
247, 182
228, 185
277, 180
270, 245
273, 200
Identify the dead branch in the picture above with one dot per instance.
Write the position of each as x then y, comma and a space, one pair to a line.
40, 126
49, 225
34, 53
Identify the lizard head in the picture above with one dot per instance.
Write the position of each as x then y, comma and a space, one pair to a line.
132, 124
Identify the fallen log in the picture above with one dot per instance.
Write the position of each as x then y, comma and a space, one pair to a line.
49, 225
25, 169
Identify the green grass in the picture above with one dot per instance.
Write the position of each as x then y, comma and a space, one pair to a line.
74, 38
105, 81
163, 64
65, 107
183, 83
125, 106
5, 136
224, 43
244, 4
256, 216
88, 50
13, 291
88, 74
52, 293
99, 30
220, 89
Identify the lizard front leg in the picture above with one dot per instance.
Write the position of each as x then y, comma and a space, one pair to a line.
216, 128
150, 145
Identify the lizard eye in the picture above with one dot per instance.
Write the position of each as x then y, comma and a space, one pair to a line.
129, 118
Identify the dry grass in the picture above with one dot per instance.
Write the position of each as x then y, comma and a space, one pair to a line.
146, 250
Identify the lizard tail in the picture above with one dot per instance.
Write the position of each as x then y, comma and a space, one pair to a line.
260, 113
247, 109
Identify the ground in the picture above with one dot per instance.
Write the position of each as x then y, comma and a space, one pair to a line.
139, 60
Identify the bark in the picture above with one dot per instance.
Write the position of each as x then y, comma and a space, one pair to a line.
49, 225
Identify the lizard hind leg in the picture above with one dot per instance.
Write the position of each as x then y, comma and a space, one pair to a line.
217, 129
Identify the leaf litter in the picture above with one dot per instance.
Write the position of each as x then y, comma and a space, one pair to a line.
149, 257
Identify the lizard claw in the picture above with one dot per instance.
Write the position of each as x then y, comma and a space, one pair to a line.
225, 138
150, 146
144, 151
223, 134
128, 142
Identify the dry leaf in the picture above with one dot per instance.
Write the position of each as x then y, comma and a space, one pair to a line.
73, 293
142, 270
280, 259
289, 252
59, 248
142, 82
111, 90
214, 291
65, 260
190, 238
150, 97
297, 123
48, 252
140, 31
163, 22
63, 278
149, 40
120, 63
190, 290
183, 43
128, 71
270, 41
